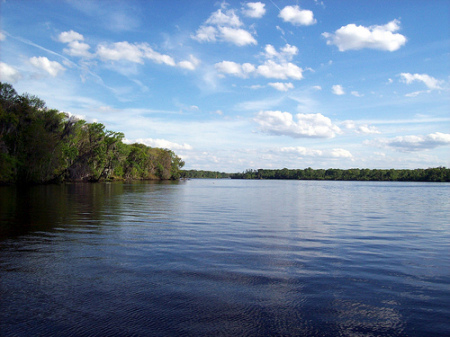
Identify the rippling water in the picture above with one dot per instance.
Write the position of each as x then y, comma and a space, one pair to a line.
226, 257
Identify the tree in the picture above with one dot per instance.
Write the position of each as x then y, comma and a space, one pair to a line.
40, 145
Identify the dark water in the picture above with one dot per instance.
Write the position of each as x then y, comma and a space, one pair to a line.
226, 257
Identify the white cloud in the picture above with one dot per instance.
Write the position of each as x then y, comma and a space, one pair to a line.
236, 69
205, 34
150, 54
360, 128
282, 71
356, 94
9, 74
285, 54
417, 93
120, 51
254, 10
431, 82
224, 26
302, 151
341, 153
135, 53
191, 64
307, 125
338, 90
282, 86
2, 36
415, 143
256, 86
352, 37
160, 143
70, 36
297, 16
238, 36
269, 69
367, 130
51, 67
78, 49
229, 18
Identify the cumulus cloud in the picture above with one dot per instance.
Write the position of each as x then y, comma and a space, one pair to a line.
236, 69
229, 18
302, 151
285, 54
53, 68
156, 57
160, 143
305, 125
282, 86
135, 53
297, 16
120, 51
190, 64
238, 36
268, 69
283, 71
224, 26
415, 143
360, 128
9, 74
337, 90
206, 34
353, 37
78, 49
70, 36
431, 82
341, 153
254, 10
305, 152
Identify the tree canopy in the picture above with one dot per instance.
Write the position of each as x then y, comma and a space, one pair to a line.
41, 145
437, 174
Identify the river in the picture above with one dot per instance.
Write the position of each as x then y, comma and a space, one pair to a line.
225, 258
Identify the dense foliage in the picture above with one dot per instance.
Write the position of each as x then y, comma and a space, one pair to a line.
40, 145
204, 174
441, 174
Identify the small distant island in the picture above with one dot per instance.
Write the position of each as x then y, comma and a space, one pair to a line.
39, 145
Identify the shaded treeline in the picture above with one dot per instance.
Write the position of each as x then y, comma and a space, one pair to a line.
441, 174
41, 145
204, 174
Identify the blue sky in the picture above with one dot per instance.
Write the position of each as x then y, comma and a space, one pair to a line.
235, 85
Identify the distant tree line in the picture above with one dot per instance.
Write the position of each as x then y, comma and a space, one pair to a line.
204, 174
41, 145
438, 174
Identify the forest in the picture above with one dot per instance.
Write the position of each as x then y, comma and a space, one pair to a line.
201, 174
42, 145
438, 174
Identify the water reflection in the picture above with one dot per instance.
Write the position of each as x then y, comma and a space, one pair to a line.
43, 208
225, 258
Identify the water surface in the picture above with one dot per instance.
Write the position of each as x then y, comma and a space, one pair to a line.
226, 257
